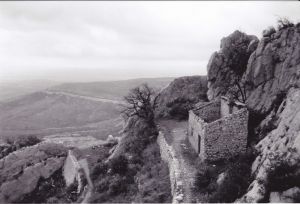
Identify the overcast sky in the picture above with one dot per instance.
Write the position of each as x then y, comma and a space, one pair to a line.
89, 41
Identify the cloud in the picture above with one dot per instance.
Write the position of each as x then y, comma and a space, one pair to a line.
47, 39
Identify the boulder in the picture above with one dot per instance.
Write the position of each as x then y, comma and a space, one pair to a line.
268, 32
221, 178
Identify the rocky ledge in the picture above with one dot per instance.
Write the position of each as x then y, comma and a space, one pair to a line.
20, 171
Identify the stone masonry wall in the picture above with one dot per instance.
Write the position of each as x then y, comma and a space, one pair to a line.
196, 129
168, 155
209, 112
227, 136
225, 110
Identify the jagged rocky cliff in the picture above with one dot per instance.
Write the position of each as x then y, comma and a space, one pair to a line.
269, 69
273, 68
227, 66
279, 150
180, 95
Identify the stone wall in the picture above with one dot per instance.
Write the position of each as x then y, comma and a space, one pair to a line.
168, 155
227, 136
196, 130
225, 108
209, 112
229, 108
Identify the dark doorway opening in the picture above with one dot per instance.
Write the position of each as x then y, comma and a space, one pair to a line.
199, 143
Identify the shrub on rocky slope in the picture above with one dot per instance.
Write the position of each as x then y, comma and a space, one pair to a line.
134, 172
180, 95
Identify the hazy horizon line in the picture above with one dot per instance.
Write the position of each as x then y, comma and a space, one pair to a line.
94, 81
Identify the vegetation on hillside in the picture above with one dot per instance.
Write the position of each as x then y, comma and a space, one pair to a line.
179, 108
52, 190
14, 143
224, 181
142, 178
135, 172
180, 96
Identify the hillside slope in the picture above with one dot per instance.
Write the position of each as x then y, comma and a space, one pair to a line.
12, 90
44, 113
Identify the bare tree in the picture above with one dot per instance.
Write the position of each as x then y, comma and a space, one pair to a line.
238, 91
141, 101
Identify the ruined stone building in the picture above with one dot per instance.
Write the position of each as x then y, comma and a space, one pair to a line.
218, 129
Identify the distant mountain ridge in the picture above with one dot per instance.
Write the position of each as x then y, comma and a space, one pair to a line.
90, 108
114, 90
13, 90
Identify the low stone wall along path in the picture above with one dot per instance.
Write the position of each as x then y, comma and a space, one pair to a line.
174, 133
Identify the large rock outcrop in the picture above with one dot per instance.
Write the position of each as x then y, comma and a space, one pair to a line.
272, 69
180, 95
269, 70
272, 83
227, 66
279, 149
20, 171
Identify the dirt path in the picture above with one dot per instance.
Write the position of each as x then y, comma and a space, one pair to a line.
104, 100
176, 135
